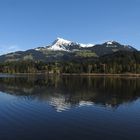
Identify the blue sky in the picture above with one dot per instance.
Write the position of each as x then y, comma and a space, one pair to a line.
28, 24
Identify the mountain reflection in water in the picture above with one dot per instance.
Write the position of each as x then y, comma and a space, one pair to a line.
65, 92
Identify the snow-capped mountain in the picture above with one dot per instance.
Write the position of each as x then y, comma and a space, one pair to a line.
65, 50
66, 45
61, 44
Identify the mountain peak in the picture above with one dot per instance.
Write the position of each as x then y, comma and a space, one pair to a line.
61, 41
110, 42
64, 45
60, 44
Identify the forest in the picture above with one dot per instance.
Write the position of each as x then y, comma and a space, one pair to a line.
117, 63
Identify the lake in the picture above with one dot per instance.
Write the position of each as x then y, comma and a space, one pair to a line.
69, 108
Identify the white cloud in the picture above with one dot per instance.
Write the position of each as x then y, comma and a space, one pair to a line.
8, 49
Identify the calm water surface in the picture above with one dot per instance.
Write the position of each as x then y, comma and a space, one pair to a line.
69, 108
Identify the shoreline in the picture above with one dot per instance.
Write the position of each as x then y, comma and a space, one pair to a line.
103, 74
78, 74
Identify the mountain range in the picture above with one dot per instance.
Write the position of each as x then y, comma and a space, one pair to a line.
65, 50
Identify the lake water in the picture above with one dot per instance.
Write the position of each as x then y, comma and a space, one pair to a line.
69, 108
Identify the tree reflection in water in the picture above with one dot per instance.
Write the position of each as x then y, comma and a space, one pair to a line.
63, 92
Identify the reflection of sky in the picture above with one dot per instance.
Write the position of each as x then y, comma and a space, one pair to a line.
39, 119
5, 97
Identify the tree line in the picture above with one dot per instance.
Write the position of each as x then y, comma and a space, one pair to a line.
117, 63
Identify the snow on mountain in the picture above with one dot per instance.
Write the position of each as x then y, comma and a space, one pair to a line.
63, 45
60, 44
86, 45
110, 43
